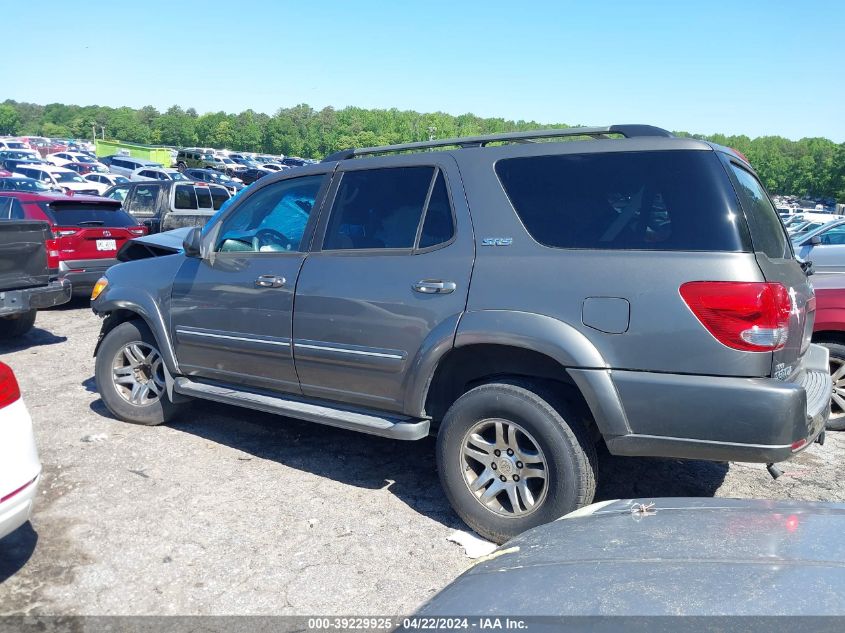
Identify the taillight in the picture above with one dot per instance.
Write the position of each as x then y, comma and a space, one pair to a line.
9, 389
52, 253
749, 316
64, 232
141, 230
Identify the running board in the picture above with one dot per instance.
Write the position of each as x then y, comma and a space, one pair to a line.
397, 428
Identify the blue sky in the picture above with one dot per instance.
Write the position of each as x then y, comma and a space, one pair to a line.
749, 67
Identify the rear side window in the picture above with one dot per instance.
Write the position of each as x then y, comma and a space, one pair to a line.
438, 226
64, 214
766, 227
186, 197
672, 200
218, 197
10, 209
203, 198
378, 208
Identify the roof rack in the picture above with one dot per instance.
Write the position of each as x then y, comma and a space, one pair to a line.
628, 131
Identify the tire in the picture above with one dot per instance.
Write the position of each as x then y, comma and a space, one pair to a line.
18, 325
565, 449
837, 364
116, 377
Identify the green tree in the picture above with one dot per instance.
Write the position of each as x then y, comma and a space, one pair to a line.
9, 120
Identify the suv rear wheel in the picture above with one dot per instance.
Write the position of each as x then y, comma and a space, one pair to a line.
129, 372
509, 460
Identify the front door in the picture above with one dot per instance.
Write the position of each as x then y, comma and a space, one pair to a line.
389, 275
232, 310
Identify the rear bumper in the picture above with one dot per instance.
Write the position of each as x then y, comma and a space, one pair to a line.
16, 301
83, 274
722, 418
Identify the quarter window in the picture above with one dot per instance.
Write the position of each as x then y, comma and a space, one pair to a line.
186, 197
438, 226
766, 227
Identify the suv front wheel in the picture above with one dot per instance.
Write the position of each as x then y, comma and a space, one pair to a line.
129, 372
509, 460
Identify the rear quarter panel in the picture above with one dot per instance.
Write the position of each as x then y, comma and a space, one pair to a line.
662, 335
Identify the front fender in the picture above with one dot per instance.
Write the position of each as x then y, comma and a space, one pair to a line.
143, 287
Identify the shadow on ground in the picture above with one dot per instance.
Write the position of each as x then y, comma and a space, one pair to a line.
16, 549
372, 462
36, 337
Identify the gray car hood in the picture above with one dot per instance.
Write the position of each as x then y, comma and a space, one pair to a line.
680, 556
154, 245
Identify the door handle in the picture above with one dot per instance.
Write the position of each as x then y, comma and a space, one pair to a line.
270, 281
433, 286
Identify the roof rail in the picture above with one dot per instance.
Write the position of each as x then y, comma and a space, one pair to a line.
628, 131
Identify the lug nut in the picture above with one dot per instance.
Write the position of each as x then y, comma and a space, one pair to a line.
493, 466
519, 464
503, 478
516, 477
510, 452
497, 452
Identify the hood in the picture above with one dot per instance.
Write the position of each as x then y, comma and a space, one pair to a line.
155, 245
680, 556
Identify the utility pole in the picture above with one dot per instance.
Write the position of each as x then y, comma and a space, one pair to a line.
93, 131
103, 132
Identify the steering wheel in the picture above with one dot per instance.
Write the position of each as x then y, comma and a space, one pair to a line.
271, 237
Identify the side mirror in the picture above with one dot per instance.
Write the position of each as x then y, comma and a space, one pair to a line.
815, 240
192, 244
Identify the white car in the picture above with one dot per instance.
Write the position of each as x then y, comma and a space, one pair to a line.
60, 159
64, 179
157, 173
13, 143
109, 180
19, 464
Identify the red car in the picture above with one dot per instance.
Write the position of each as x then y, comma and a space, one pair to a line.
88, 231
829, 330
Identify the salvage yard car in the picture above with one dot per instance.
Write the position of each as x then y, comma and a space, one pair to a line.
20, 467
87, 232
402, 292
26, 270
163, 205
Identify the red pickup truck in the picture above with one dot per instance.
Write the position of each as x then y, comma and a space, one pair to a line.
829, 330
87, 232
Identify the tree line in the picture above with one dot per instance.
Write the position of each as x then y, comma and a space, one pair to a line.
811, 167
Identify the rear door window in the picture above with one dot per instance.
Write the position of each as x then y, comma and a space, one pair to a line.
767, 231
378, 208
669, 201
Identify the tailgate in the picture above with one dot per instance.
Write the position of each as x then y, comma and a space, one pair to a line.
23, 254
91, 242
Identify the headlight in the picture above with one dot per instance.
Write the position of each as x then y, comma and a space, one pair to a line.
101, 284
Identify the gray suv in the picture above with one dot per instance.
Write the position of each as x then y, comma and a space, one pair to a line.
522, 300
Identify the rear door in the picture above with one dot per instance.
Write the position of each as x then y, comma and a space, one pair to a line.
389, 274
775, 258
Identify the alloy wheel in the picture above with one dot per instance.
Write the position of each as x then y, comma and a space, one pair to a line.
504, 467
138, 373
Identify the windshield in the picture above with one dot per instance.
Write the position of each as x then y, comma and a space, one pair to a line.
84, 159
23, 184
63, 176
177, 175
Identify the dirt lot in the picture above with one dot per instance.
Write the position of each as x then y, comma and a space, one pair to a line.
228, 511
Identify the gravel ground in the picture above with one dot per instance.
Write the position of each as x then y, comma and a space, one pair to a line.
228, 511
